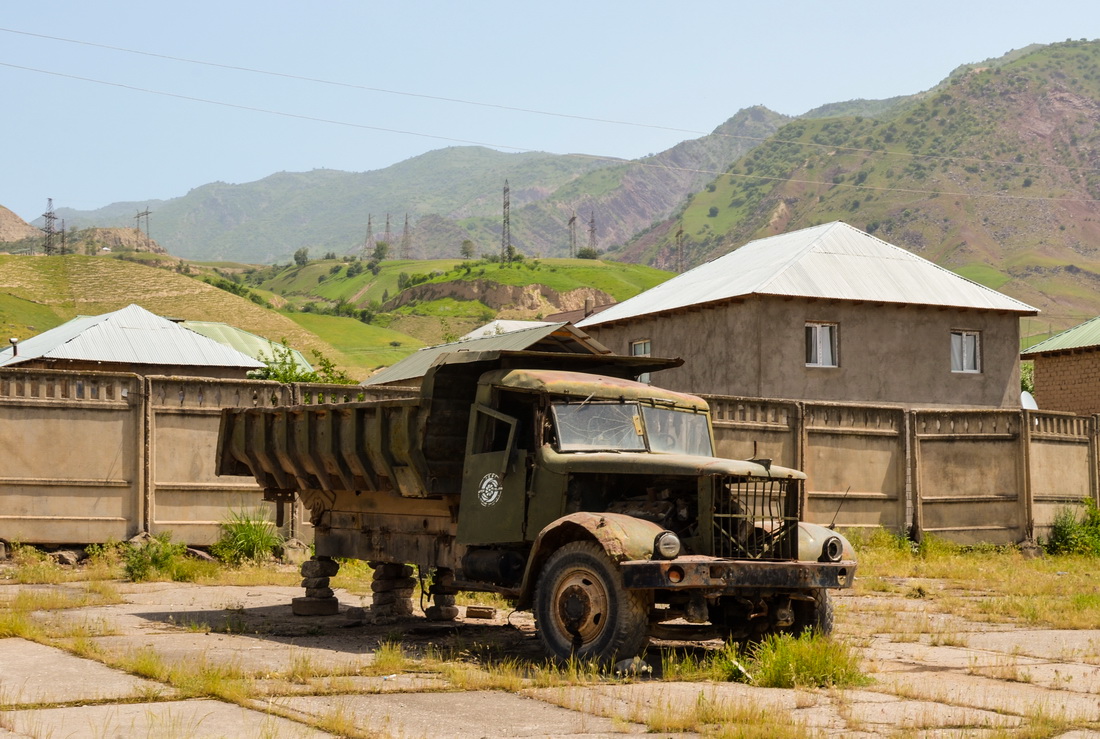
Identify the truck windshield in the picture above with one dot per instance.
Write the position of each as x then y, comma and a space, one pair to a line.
586, 427
677, 432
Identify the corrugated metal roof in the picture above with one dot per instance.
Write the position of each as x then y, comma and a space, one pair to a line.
416, 365
1082, 336
131, 335
245, 342
501, 326
832, 261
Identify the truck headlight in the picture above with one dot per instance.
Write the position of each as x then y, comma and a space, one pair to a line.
667, 545
832, 550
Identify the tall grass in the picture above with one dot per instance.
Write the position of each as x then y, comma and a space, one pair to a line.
246, 536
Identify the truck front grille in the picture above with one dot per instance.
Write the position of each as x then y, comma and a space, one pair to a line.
756, 518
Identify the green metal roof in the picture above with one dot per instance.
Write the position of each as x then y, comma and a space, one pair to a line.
245, 342
1082, 336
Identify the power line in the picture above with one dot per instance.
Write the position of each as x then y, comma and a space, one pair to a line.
499, 106
595, 157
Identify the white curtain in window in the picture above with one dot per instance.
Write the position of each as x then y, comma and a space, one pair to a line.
956, 352
828, 343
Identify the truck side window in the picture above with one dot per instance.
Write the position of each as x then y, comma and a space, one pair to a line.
492, 433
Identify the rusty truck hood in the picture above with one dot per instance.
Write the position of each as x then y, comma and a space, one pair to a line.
654, 463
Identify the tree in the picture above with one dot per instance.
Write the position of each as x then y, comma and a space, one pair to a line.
588, 253
282, 367
301, 257
467, 250
381, 249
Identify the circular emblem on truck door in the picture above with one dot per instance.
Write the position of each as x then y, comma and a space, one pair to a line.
488, 493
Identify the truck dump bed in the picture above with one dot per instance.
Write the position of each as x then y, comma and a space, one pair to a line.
372, 445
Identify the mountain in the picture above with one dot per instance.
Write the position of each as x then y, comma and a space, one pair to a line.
994, 174
450, 194
13, 228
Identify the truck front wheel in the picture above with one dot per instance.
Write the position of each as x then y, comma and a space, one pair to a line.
815, 615
582, 609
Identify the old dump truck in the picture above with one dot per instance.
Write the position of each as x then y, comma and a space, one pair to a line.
562, 483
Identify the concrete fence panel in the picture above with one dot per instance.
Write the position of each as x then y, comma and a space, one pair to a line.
744, 427
71, 462
183, 495
1061, 464
855, 461
969, 475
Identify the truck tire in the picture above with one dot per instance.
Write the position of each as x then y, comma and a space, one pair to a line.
582, 609
816, 615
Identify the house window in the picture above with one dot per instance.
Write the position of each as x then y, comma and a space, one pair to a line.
641, 348
821, 345
966, 351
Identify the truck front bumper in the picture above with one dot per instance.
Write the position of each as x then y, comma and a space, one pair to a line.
730, 576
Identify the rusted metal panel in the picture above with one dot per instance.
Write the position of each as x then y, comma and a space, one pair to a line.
302, 447
722, 576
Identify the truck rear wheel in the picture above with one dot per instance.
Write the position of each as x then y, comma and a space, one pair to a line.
582, 609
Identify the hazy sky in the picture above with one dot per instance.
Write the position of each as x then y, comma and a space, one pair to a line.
89, 125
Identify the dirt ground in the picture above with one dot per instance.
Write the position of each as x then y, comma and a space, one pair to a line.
269, 673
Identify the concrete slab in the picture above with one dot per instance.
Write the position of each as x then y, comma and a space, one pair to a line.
1054, 644
197, 719
257, 657
31, 674
471, 715
883, 715
1001, 696
404, 683
658, 702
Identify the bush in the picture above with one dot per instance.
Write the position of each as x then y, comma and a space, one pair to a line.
158, 557
246, 537
1072, 535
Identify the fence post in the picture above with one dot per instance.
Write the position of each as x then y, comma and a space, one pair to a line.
1025, 492
917, 530
1094, 462
148, 454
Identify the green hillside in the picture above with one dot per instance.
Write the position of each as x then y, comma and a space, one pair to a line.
368, 320
39, 293
991, 174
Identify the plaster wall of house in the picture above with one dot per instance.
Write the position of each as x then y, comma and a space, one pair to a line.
886, 353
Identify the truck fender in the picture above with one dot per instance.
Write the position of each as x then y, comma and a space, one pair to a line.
812, 538
621, 537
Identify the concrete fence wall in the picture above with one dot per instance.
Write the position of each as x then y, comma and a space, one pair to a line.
87, 457
966, 475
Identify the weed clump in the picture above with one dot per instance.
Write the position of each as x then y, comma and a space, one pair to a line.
161, 558
808, 660
1072, 535
246, 537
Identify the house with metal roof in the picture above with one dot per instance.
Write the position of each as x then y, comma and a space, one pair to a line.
1067, 369
547, 337
128, 340
826, 313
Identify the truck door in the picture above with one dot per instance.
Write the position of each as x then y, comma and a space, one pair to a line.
494, 481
